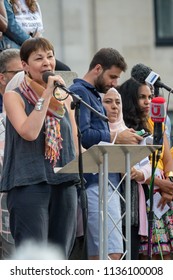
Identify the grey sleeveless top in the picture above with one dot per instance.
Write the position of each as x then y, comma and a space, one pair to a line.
24, 161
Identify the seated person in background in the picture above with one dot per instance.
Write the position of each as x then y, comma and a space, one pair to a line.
28, 15
13, 35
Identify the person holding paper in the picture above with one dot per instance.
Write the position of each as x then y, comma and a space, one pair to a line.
139, 173
136, 99
103, 74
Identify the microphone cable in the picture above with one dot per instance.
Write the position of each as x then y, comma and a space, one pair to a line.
58, 92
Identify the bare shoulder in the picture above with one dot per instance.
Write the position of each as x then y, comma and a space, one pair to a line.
11, 94
12, 97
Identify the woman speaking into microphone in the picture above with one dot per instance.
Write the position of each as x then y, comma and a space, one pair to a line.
40, 135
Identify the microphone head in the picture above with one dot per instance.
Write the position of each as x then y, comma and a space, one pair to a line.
158, 109
152, 78
46, 75
140, 72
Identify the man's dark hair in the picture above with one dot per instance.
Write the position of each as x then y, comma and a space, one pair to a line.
108, 57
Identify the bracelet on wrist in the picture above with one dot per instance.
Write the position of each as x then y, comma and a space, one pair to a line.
171, 178
169, 174
39, 104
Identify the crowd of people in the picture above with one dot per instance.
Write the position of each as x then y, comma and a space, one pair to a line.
38, 132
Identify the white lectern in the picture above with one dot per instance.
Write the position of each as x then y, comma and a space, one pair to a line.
104, 158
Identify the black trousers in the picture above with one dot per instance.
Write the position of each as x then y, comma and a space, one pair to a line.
45, 213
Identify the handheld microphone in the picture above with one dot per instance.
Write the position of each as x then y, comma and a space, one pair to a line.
140, 72
75, 97
144, 74
158, 114
153, 80
45, 77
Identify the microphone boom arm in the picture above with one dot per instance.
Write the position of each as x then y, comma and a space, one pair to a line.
77, 98
162, 85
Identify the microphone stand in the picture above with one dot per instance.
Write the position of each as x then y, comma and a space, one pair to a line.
77, 100
151, 192
155, 158
151, 213
84, 203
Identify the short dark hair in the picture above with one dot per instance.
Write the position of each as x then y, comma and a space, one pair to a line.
108, 57
32, 45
